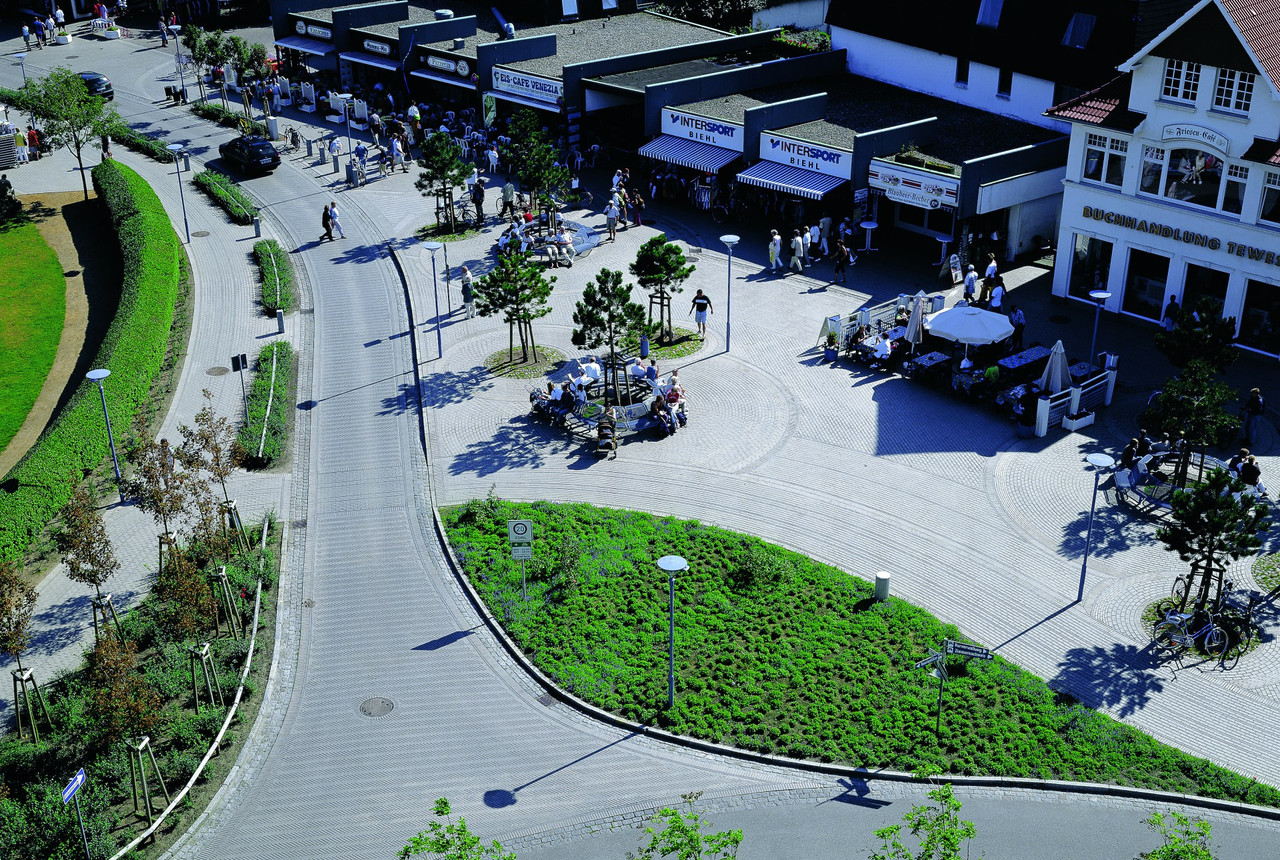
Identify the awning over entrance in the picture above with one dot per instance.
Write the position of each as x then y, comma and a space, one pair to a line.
306, 46
520, 100
370, 60
688, 153
789, 179
456, 80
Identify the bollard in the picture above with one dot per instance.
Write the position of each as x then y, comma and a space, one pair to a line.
882, 586
168, 92
335, 164
309, 152
280, 321
186, 161
257, 228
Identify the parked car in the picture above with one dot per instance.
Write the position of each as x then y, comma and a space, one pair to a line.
98, 84
251, 154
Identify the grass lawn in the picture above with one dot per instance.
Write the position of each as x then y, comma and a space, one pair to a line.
780, 654
33, 303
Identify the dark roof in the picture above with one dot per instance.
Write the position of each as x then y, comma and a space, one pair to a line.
1028, 39
733, 107
1154, 16
391, 30
1107, 106
638, 79
1207, 38
1263, 152
584, 41
1259, 22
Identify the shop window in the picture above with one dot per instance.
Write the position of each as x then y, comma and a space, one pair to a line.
1271, 200
1153, 159
1233, 91
1104, 159
1205, 284
1145, 283
962, 71
1181, 80
1090, 266
1194, 177
989, 13
1233, 190
1079, 30
1004, 83
1260, 322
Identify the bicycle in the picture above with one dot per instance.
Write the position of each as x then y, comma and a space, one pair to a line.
292, 140
1242, 627
463, 212
1172, 635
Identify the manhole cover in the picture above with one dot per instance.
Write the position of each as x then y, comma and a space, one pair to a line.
217, 371
308, 603
546, 699
298, 524
200, 234
1060, 319
378, 706
692, 258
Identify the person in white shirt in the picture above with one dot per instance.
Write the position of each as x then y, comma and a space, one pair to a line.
590, 371
997, 297
970, 283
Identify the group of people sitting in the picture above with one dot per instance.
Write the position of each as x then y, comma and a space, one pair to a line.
517, 239
1243, 465
560, 400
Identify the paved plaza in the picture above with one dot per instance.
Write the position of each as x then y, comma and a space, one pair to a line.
866, 472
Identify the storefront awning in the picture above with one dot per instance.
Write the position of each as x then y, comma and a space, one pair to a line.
521, 100
370, 60
688, 153
456, 80
306, 46
789, 179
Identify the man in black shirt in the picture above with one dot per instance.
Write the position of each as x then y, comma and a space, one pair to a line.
701, 305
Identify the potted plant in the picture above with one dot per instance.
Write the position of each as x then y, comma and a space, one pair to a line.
112, 32
1083, 418
62, 37
830, 351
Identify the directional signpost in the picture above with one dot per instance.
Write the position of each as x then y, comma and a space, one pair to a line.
68, 794
964, 649
520, 536
938, 660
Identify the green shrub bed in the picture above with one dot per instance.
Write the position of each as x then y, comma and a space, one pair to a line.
226, 194
149, 145
277, 392
277, 275
133, 350
233, 118
779, 654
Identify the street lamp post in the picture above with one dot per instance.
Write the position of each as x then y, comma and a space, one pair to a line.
672, 564
176, 149
345, 98
1100, 462
97, 376
1099, 298
177, 61
22, 61
435, 292
729, 241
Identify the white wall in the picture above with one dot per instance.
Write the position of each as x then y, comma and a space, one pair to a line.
935, 74
800, 14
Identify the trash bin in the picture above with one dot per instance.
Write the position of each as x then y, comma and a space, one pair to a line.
273, 128
168, 92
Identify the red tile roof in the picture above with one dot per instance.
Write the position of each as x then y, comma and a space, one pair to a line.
1107, 106
1259, 22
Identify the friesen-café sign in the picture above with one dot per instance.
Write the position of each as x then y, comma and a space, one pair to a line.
377, 47
1177, 234
809, 156
1198, 133
725, 135
530, 86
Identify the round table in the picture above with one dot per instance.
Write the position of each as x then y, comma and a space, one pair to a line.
944, 241
868, 226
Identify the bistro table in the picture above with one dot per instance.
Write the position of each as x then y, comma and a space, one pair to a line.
928, 367
868, 226
1081, 371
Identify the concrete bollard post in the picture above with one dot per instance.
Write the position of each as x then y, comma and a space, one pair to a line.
335, 164
280, 321
309, 152
186, 161
882, 586
257, 228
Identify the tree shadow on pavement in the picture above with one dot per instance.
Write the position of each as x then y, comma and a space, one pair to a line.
404, 401
450, 388
1120, 677
521, 444
1115, 530
912, 419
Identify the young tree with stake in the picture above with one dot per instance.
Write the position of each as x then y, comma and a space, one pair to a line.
661, 268
606, 316
70, 116
442, 170
517, 289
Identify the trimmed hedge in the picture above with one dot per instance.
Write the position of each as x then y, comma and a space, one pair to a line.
277, 275
223, 116
133, 350
224, 192
149, 145
280, 396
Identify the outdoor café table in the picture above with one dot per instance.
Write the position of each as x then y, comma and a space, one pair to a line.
898, 332
928, 366
1023, 365
1081, 371
962, 382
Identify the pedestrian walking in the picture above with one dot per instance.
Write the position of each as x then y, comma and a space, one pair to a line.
397, 153
468, 293
813, 247
477, 197
1019, 321
1171, 312
164, 34
970, 283
611, 219
843, 257
333, 219
335, 147
997, 297
20, 146
637, 209
26, 36
797, 251
824, 234
326, 221
1254, 407
38, 26
508, 200
59, 16
700, 308
33, 144
775, 251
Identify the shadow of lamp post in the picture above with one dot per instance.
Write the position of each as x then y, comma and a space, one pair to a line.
1101, 463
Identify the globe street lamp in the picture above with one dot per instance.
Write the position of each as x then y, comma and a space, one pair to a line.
1100, 462
1100, 298
729, 240
177, 61
435, 291
176, 149
97, 376
672, 564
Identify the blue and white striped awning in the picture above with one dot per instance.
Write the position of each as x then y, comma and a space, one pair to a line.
688, 153
791, 180
306, 46
370, 60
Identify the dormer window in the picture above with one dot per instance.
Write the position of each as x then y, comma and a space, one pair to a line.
1181, 80
989, 13
1079, 30
1234, 91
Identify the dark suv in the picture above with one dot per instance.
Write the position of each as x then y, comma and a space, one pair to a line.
250, 154
98, 84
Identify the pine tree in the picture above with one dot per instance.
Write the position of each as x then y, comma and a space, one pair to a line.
661, 268
517, 289
606, 316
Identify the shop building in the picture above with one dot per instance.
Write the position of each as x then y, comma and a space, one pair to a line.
1173, 177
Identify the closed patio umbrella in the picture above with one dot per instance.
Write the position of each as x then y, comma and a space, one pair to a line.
915, 325
1056, 376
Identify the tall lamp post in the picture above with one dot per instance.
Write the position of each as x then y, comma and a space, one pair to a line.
22, 61
176, 149
1099, 298
97, 376
435, 291
1100, 462
672, 564
177, 61
729, 240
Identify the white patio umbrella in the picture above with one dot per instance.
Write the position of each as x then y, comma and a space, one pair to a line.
1056, 376
915, 325
969, 325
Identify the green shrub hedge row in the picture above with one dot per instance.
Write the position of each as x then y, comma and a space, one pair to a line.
133, 350
149, 145
240, 208
223, 116
277, 275
281, 398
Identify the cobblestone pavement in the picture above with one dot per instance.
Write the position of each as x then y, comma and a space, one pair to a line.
904, 479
